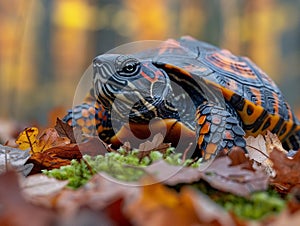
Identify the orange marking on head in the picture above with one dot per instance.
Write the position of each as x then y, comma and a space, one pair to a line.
152, 80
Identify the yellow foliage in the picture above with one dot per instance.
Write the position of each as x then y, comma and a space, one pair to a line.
48, 139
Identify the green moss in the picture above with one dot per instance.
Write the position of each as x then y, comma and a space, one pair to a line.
122, 165
257, 206
77, 173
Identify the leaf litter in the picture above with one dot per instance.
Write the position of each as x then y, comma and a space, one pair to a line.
160, 202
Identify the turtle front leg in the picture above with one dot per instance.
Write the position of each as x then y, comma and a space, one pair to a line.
90, 119
217, 129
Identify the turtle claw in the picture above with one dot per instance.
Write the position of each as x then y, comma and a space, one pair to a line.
217, 130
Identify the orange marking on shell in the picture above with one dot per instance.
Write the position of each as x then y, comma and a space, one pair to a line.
223, 60
289, 111
276, 103
228, 135
100, 129
251, 119
180, 71
89, 123
216, 119
233, 85
211, 149
81, 122
85, 113
194, 68
168, 45
201, 119
200, 140
205, 128
257, 95
288, 127
92, 110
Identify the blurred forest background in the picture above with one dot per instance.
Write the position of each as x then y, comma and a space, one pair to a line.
45, 46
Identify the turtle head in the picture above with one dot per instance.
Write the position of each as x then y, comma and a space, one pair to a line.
129, 86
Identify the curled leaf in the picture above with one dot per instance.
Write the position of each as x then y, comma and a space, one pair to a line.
14, 158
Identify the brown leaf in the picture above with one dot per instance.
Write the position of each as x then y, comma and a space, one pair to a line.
15, 210
287, 170
173, 175
93, 146
98, 194
50, 138
41, 185
220, 175
294, 200
159, 205
65, 130
238, 157
235, 179
54, 157
58, 156
284, 218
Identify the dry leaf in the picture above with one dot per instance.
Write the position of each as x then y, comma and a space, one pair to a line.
235, 179
28, 139
49, 138
54, 158
14, 158
259, 150
159, 205
272, 141
151, 145
41, 185
287, 170
15, 211
93, 146
65, 130
220, 175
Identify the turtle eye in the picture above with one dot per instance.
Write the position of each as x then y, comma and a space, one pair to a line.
130, 68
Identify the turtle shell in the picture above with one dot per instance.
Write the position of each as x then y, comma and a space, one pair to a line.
203, 73
244, 86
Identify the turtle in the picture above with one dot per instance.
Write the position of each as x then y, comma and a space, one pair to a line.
190, 88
